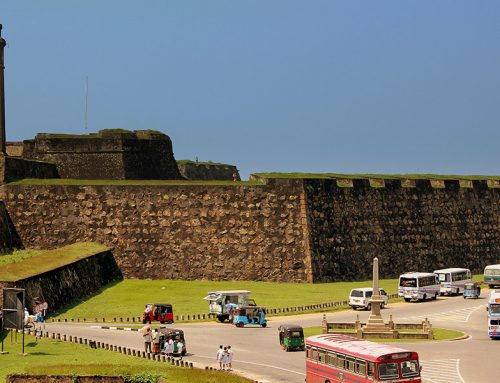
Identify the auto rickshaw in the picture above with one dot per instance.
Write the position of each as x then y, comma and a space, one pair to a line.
291, 337
249, 315
161, 312
472, 290
174, 334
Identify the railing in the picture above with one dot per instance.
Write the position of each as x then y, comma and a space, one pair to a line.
204, 317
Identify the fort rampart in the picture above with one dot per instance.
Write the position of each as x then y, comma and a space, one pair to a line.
69, 283
311, 230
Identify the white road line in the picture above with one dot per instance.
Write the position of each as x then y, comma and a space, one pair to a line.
255, 364
441, 371
460, 315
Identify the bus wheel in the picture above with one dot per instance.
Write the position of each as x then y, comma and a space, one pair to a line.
424, 297
458, 291
407, 299
435, 297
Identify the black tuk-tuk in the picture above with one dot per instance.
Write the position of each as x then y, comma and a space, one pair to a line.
174, 334
291, 337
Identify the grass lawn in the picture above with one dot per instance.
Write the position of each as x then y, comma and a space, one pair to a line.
23, 264
439, 334
50, 356
127, 298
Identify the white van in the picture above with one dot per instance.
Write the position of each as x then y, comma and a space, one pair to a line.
360, 298
453, 280
492, 275
418, 286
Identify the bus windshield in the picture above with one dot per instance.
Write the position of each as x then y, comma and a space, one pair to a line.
388, 371
492, 272
408, 282
409, 368
444, 277
494, 309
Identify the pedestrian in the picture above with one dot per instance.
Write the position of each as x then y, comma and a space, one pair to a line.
220, 353
170, 347
230, 358
156, 342
180, 346
147, 314
224, 359
166, 347
148, 338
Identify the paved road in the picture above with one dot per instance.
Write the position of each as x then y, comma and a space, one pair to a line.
257, 353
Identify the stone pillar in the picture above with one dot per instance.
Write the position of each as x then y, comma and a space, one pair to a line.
375, 321
3, 43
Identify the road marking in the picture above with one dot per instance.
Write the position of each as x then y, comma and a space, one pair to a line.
255, 364
460, 315
441, 371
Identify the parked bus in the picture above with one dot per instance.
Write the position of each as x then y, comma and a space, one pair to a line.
341, 358
418, 286
494, 314
453, 280
492, 275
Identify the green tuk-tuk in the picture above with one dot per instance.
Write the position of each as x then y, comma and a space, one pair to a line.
291, 337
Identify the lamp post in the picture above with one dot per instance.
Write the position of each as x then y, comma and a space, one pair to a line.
3, 43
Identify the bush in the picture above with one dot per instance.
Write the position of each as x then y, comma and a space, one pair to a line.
142, 377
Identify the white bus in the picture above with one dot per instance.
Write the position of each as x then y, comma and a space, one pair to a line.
492, 275
494, 314
453, 280
418, 286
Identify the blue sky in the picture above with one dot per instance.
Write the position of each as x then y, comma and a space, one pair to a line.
314, 86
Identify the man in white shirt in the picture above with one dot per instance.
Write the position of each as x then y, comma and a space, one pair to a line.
229, 358
167, 347
180, 346
220, 354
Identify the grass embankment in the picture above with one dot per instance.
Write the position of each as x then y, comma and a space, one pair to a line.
66, 181
386, 176
130, 296
25, 263
54, 357
438, 334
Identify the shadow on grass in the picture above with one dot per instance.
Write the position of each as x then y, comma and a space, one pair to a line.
82, 300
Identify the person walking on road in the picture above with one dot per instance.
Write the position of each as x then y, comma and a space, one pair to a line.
225, 357
220, 353
148, 338
229, 358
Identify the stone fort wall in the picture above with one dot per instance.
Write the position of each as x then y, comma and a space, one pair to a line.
173, 231
286, 230
410, 226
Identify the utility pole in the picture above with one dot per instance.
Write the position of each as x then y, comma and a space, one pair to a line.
3, 43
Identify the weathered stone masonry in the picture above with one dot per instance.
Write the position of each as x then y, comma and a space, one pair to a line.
420, 227
286, 230
178, 232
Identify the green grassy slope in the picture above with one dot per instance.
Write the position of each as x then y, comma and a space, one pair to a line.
22, 265
54, 357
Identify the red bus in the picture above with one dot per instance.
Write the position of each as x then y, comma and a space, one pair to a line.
332, 358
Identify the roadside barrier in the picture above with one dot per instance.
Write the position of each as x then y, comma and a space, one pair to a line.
203, 317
